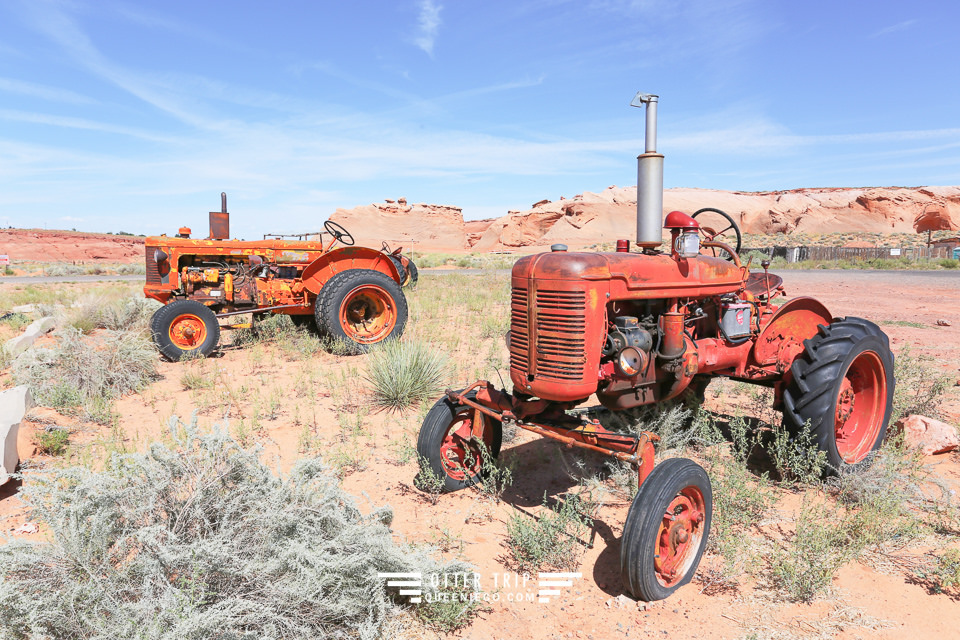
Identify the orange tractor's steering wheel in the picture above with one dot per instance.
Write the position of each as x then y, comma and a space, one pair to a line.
716, 219
338, 232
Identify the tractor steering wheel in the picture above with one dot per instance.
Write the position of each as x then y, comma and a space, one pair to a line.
716, 219
338, 232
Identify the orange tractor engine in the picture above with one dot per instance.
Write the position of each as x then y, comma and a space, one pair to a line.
636, 327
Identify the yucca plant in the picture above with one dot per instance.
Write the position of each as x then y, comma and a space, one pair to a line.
403, 373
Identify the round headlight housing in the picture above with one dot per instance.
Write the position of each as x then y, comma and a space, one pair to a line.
630, 361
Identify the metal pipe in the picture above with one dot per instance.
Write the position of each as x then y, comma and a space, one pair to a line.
649, 178
260, 310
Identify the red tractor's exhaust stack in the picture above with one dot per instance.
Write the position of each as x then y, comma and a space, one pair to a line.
649, 178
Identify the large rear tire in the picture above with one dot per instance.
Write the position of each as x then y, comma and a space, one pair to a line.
398, 263
446, 443
185, 328
843, 385
412, 274
666, 530
361, 307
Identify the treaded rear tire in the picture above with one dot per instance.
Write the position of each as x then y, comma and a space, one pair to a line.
365, 288
412, 275
669, 486
400, 269
842, 351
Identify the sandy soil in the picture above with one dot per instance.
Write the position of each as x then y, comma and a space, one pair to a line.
326, 410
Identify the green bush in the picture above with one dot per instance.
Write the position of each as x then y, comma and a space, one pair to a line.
403, 373
297, 343
550, 541
920, 388
942, 571
203, 541
53, 441
804, 567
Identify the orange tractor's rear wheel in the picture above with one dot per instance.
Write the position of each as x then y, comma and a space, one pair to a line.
185, 328
842, 385
361, 307
666, 529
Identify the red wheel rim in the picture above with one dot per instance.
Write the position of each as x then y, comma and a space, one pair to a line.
861, 404
368, 314
461, 455
679, 536
187, 331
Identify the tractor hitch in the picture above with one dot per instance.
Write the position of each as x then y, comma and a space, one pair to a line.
550, 420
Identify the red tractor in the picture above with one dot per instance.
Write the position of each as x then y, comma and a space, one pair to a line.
642, 326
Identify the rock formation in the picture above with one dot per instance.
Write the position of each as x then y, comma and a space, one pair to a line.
591, 218
426, 227
68, 246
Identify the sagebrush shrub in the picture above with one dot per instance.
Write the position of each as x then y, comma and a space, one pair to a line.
87, 370
202, 541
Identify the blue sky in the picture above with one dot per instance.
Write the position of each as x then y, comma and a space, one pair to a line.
135, 115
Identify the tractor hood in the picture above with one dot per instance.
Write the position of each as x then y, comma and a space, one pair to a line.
636, 275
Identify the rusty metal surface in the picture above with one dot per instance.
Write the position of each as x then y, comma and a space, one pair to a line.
782, 336
219, 225
324, 267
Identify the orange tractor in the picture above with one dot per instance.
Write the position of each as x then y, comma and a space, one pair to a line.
346, 292
644, 325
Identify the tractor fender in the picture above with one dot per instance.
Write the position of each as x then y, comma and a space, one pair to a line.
319, 272
781, 339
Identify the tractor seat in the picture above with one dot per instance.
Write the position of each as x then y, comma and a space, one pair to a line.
757, 283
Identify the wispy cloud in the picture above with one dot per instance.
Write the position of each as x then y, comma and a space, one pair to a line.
900, 26
428, 25
13, 115
62, 29
44, 92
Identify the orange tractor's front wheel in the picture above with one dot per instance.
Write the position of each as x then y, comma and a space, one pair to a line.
361, 307
185, 328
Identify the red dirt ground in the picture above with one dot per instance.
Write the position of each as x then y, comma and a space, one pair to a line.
872, 600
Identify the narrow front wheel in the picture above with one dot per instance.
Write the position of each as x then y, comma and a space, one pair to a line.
185, 328
666, 529
447, 444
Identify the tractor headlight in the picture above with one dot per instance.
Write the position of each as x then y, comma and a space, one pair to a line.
688, 244
630, 361
506, 338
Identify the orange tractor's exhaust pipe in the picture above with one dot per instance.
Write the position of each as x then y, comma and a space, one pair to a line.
220, 220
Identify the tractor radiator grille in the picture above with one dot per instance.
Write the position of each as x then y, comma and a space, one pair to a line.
560, 334
153, 273
519, 331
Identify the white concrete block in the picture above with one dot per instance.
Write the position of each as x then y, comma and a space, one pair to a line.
16, 346
24, 308
14, 403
